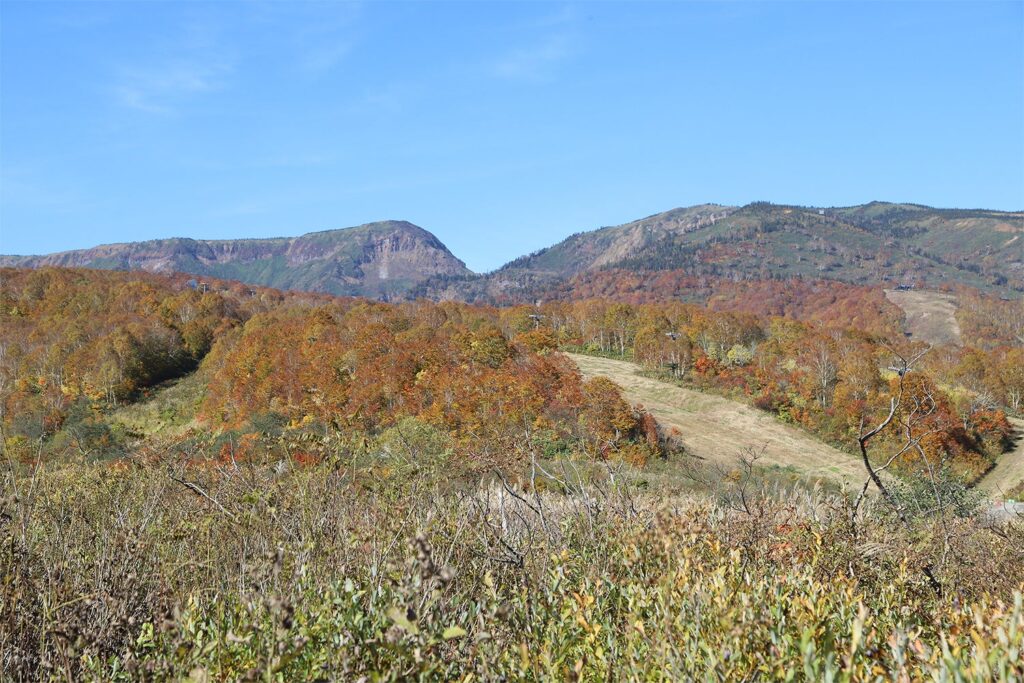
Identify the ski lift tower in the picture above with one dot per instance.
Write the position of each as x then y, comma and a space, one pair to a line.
673, 365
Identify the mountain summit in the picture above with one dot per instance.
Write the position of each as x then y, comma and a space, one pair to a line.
382, 260
869, 244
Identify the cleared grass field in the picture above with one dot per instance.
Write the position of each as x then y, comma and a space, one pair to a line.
1009, 471
930, 315
169, 411
718, 430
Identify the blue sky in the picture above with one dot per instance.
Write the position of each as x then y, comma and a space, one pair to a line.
502, 128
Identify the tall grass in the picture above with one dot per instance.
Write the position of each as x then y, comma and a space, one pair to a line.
263, 572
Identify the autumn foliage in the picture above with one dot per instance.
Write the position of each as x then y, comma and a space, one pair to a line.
829, 379
76, 344
364, 366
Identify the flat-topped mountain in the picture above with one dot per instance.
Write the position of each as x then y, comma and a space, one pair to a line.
381, 260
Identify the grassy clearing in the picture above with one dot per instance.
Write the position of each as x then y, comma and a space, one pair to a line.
931, 316
1006, 479
718, 430
168, 410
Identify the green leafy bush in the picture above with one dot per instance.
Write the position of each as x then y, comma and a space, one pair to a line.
324, 572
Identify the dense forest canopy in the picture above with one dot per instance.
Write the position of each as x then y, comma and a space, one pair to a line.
76, 344
79, 343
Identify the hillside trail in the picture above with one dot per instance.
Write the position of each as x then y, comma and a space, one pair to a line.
718, 429
1009, 471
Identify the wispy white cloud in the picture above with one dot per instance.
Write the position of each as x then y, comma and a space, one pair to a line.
314, 38
537, 62
322, 58
550, 40
161, 88
563, 15
189, 58
390, 98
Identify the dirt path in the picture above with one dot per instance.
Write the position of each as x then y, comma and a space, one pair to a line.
1009, 471
717, 429
931, 316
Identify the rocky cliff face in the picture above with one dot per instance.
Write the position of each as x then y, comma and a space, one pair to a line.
869, 244
377, 259
872, 244
606, 246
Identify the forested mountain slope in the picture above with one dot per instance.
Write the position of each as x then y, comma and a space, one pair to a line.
872, 244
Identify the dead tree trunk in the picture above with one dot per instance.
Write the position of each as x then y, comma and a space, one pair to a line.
911, 442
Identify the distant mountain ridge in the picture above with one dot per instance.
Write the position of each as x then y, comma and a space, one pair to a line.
868, 244
381, 260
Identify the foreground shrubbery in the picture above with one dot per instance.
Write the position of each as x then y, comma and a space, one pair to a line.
331, 572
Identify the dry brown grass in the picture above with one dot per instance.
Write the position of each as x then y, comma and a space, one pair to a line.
334, 572
1008, 474
931, 316
718, 430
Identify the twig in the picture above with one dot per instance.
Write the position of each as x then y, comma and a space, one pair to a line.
195, 489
